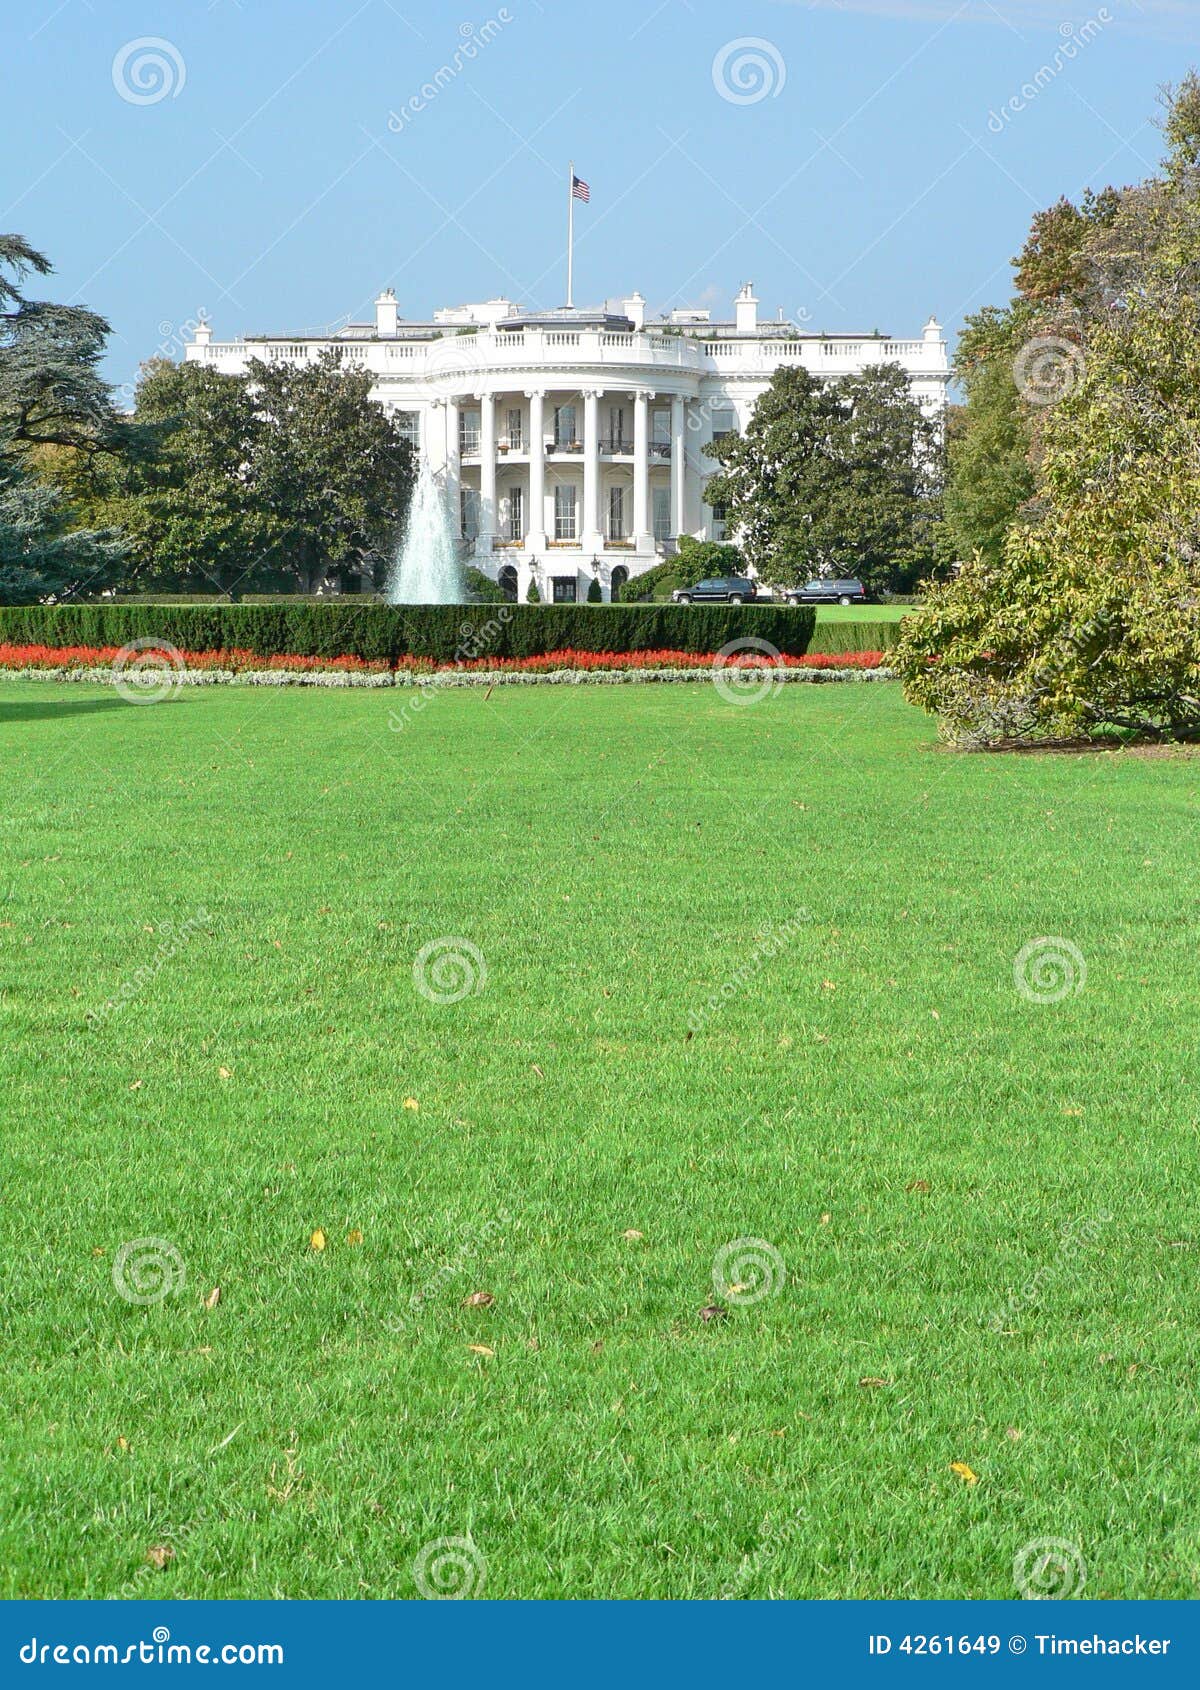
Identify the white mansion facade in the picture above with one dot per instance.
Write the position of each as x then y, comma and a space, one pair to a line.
569, 443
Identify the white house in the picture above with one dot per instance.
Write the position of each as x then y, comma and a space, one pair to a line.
569, 441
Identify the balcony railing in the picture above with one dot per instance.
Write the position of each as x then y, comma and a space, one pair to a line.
616, 443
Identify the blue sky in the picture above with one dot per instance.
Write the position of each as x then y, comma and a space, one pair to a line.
869, 168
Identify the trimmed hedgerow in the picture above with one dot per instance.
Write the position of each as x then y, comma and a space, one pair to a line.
855, 636
381, 632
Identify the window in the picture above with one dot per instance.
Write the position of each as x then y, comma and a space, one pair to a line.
564, 512
724, 421
507, 582
616, 428
409, 424
720, 522
661, 497
516, 514
564, 425
660, 434
469, 512
563, 589
468, 431
515, 424
616, 513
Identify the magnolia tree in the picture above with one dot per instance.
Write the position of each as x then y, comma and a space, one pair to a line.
1090, 619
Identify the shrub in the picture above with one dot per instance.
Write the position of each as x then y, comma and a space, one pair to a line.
533, 595
594, 595
443, 632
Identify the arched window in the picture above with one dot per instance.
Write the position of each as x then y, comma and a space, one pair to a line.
507, 582
617, 580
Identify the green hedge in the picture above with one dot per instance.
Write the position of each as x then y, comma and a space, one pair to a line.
855, 636
386, 632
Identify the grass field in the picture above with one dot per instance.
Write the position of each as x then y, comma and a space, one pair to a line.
831, 907
864, 612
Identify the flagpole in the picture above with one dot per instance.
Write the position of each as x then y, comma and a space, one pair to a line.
570, 227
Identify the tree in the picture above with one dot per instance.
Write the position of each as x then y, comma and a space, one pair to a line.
331, 468
1090, 619
190, 505
52, 399
837, 479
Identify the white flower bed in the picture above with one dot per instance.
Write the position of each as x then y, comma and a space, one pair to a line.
440, 678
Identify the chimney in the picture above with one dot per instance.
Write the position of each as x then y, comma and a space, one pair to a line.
635, 310
202, 333
746, 309
933, 330
386, 314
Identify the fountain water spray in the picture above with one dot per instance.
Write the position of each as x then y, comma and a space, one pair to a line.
426, 569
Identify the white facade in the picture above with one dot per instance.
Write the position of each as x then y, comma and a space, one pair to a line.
569, 443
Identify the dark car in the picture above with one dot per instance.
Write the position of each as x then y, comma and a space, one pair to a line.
837, 590
725, 589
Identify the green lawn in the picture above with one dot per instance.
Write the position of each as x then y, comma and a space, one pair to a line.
876, 1101
864, 612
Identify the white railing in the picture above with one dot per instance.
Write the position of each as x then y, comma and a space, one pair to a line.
487, 350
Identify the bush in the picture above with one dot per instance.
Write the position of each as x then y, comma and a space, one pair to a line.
533, 595
855, 636
445, 632
594, 595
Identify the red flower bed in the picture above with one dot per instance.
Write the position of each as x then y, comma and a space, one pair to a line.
102, 657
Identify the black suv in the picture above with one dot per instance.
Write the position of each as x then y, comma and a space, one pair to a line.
836, 591
726, 589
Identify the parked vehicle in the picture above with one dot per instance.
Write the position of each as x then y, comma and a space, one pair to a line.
724, 589
837, 590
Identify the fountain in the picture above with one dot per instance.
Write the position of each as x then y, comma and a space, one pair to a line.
426, 568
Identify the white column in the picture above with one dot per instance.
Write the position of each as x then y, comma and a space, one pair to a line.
453, 466
643, 540
487, 472
590, 538
535, 520
678, 444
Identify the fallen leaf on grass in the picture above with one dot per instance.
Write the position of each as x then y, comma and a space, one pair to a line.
225, 1073
136, 1086
538, 1072
870, 1384
411, 1103
964, 1472
918, 1185
354, 1237
213, 1298
825, 1219
479, 1300
122, 1443
97, 1251
1014, 1433
159, 1555
632, 1234
480, 1350
317, 1241
713, 1311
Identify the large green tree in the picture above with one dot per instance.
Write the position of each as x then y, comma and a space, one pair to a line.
190, 505
331, 468
54, 407
1090, 617
834, 478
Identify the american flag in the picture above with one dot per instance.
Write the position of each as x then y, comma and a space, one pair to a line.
580, 189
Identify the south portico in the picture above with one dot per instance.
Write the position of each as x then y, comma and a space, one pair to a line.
566, 485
